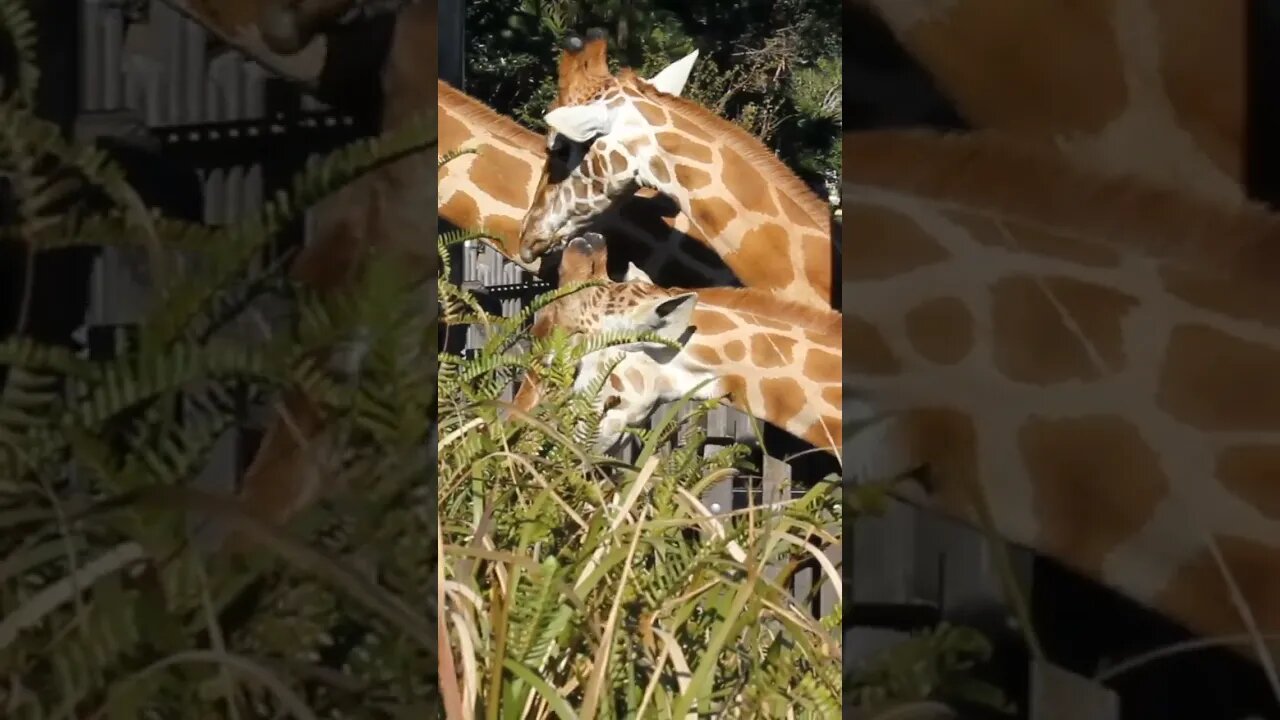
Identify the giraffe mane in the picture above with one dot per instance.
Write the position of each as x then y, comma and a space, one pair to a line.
766, 304
993, 175
742, 141
498, 125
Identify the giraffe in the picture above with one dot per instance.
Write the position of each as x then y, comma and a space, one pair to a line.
281, 35
472, 192
1149, 87
1083, 360
609, 135
776, 360
382, 209
490, 189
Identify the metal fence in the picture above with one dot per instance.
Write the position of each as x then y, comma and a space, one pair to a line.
151, 78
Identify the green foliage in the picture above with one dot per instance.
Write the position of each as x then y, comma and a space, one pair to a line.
587, 587
931, 665
774, 67
109, 606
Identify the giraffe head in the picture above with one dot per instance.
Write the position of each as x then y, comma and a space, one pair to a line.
648, 373
594, 128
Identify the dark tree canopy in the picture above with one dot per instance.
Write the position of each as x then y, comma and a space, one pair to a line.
774, 67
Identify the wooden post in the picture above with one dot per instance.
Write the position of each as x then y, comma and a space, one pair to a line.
453, 40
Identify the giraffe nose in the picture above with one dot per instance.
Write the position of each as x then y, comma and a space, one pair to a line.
528, 254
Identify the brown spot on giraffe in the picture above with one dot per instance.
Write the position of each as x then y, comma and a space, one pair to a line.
617, 162
941, 330
507, 229
886, 245
943, 442
865, 350
822, 366
706, 355
819, 259
826, 432
793, 211
680, 146
596, 161
653, 114
1033, 342
746, 183
1035, 241
735, 351
1086, 93
658, 167
1199, 592
767, 244
1098, 482
833, 395
1216, 101
504, 175
462, 209
784, 398
1216, 382
712, 322
771, 350
1242, 300
690, 128
1252, 473
634, 377
614, 381
712, 215
452, 131
691, 178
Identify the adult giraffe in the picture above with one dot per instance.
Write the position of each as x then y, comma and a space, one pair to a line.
1154, 88
1086, 361
609, 135
491, 188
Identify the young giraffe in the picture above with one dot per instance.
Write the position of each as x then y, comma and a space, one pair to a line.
1084, 361
776, 360
609, 135
1148, 87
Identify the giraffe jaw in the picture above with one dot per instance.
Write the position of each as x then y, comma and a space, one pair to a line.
530, 256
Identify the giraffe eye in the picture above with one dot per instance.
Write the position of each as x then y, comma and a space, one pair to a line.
559, 147
612, 402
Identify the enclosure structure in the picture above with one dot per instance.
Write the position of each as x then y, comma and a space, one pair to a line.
207, 133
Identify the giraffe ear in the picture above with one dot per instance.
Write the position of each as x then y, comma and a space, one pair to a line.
671, 79
667, 317
580, 123
635, 274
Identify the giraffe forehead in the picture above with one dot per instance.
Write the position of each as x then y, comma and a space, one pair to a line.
589, 90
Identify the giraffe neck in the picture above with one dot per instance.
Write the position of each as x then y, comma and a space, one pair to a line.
778, 361
492, 188
1146, 87
1089, 363
767, 225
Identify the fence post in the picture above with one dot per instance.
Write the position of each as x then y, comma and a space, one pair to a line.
452, 38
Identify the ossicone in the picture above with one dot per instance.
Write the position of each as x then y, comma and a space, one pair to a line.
572, 42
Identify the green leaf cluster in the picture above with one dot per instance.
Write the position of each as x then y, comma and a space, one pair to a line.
114, 602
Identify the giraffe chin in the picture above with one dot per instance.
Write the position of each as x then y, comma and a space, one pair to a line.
530, 254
